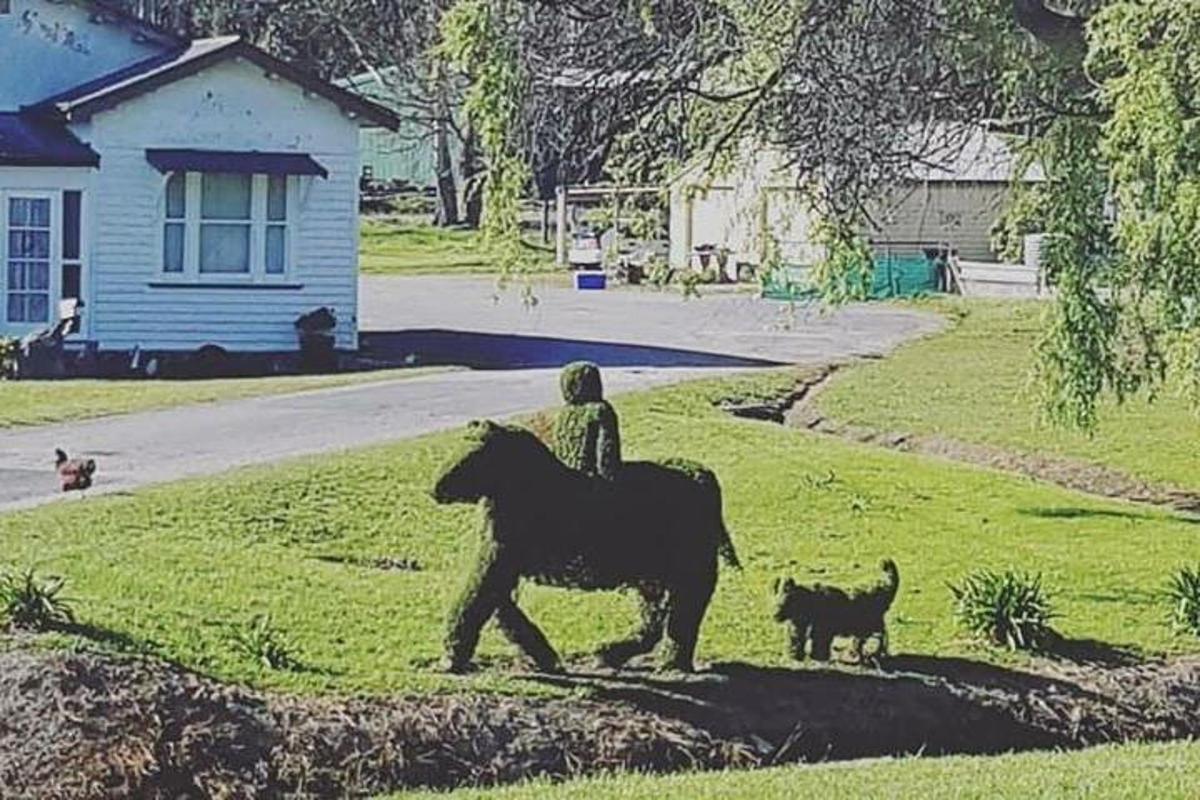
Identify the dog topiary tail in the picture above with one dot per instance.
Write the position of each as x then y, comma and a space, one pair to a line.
891, 578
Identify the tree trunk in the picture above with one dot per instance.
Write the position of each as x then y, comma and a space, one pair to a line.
446, 213
473, 177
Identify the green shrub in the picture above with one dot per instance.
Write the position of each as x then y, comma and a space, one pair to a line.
1009, 609
262, 642
1184, 593
31, 603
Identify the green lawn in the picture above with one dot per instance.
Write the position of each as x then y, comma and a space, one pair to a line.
1129, 772
398, 247
43, 402
972, 384
177, 568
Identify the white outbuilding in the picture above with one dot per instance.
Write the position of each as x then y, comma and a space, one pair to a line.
952, 200
185, 192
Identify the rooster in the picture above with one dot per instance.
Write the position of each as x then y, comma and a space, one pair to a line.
74, 474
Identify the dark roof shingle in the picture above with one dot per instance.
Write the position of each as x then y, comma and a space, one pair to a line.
29, 140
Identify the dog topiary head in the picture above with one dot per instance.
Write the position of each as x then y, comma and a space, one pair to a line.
580, 383
790, 600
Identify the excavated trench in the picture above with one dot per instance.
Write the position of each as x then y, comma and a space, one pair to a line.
90, 726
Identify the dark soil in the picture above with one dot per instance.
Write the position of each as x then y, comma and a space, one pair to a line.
88, 726
797, 408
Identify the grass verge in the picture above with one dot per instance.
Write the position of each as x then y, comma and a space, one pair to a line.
356, 565
1127, 772
397, 247
971, 383
44, 402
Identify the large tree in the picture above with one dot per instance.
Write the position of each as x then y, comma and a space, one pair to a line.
1105, 94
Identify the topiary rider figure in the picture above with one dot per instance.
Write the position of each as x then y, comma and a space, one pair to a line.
586, 433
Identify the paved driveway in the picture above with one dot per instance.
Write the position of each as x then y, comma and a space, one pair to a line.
644, 339
620, 328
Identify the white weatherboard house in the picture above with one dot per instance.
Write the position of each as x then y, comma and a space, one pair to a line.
187, 192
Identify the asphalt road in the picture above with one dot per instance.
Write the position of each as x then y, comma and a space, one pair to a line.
643, 339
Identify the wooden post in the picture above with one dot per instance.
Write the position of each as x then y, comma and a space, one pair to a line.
689, 201
561, 226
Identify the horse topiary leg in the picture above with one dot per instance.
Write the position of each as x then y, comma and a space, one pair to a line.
488, 586
654, 614
687, 603
527, 636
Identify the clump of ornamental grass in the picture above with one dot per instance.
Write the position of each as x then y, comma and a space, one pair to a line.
1183, 591
263, 643
1009, 609
29, 602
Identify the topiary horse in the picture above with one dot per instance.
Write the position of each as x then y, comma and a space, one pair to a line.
657, 528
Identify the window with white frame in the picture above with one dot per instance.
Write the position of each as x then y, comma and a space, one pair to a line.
224, 225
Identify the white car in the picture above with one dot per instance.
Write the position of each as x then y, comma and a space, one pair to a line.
586, 251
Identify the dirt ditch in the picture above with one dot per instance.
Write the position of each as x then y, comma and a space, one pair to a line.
89, 726
797, 408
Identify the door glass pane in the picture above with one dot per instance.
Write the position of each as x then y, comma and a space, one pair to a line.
173, 239
225, 248
177, 195
225, 196
37, 274
28, 267
276, 249
277, 198
39, 213
38, 308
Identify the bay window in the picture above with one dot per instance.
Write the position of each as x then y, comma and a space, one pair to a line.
226, 226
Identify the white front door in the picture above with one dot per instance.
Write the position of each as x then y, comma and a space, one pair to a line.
31, 252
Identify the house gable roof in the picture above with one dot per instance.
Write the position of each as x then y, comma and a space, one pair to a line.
111, 90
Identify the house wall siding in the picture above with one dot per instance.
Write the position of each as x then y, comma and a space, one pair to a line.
231, 106
47, 48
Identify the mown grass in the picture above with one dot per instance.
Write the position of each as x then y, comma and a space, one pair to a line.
972, 383
1129, 772
43, 402
398, 247
177, 569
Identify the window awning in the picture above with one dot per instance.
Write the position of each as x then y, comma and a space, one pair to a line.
250, 162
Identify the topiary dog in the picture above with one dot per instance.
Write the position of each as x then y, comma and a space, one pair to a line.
817, 613
657, 528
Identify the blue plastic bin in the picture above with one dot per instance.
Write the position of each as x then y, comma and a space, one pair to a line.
588, 279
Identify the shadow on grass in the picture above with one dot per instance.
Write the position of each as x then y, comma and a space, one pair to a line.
115, 640
381, 563
1071, 513
1090, 652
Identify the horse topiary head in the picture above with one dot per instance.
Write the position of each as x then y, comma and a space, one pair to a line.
580, 383
491, 457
